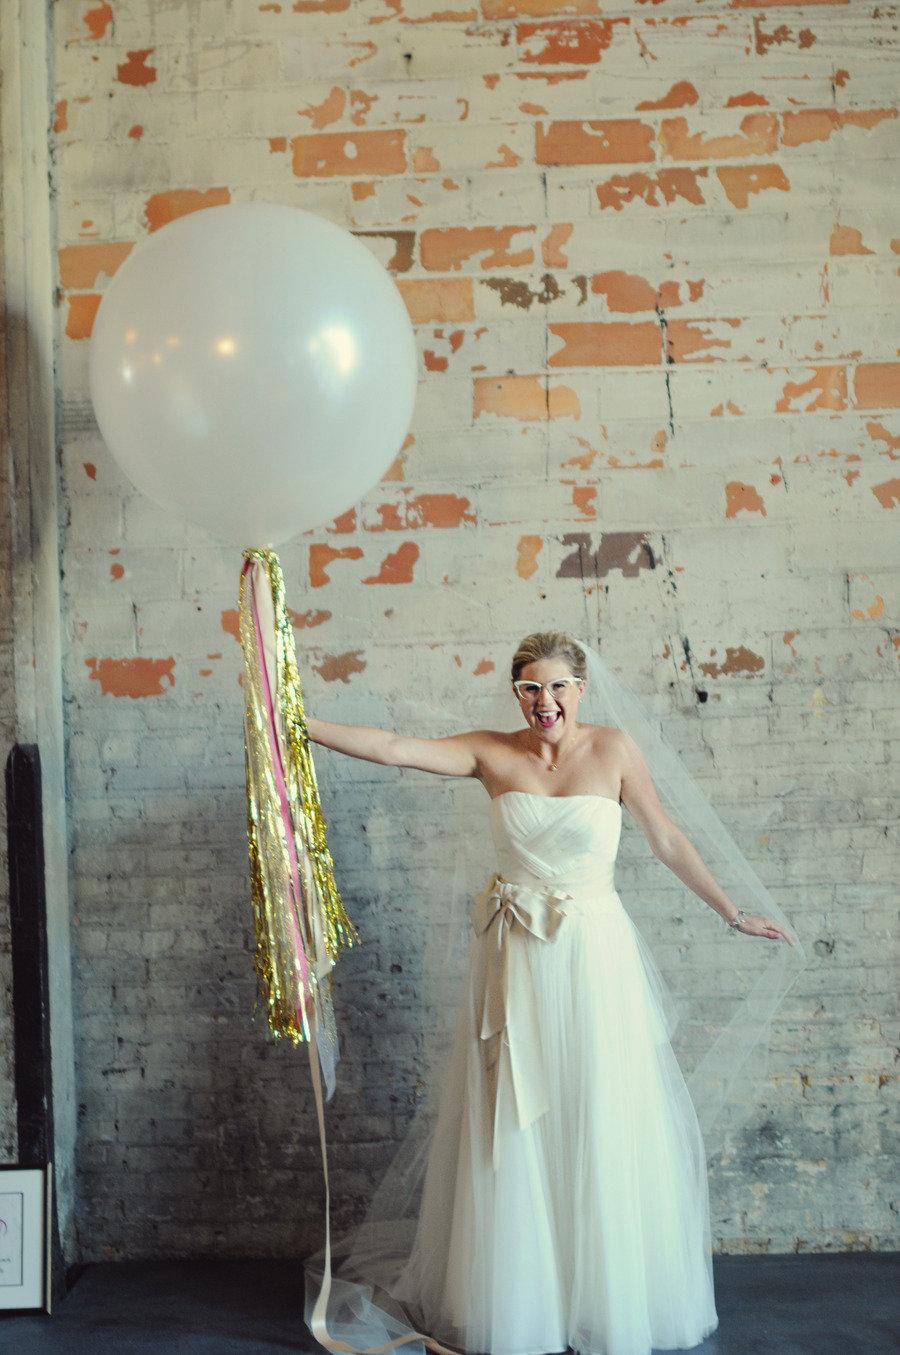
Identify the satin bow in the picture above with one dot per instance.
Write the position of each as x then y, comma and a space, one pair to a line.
509, 1015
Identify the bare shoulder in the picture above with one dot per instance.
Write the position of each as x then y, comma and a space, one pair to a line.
607, 750
494, 744
492, 751
607, 738
622, 748
498, 752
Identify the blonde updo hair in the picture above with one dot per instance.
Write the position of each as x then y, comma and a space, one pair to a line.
549, 644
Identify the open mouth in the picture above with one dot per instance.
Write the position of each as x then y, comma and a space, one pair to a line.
547, 719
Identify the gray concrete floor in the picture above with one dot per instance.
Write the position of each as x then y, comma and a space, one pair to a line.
768, 1305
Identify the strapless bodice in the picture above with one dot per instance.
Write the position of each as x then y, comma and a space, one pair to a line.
567, 841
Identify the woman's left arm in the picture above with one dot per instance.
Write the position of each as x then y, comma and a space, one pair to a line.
675, 850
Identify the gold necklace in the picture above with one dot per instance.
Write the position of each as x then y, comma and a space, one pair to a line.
551, 766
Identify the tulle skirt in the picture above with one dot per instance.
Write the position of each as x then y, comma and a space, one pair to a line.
588, 1228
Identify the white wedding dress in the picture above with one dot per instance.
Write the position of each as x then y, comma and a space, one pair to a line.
557, 1195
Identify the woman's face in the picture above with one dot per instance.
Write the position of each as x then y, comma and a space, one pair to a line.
551, 708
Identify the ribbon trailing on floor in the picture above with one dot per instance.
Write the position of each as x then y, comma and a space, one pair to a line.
299, 920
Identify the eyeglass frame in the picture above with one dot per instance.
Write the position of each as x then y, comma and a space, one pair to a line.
530, 682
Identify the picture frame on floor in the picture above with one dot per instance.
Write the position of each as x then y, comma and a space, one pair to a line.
25, 1211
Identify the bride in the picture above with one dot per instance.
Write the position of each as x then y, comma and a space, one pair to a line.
556, 1196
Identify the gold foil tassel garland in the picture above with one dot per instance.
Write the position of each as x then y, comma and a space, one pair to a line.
300, 923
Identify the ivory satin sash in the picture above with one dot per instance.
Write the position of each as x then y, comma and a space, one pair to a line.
508, 915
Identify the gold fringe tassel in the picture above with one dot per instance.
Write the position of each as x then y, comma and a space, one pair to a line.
285, 823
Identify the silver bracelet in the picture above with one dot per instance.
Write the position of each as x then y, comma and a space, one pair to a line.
735, 925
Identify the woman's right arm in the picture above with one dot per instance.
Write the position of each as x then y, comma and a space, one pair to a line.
455, 755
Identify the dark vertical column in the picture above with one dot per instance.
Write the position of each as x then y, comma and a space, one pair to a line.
30, 976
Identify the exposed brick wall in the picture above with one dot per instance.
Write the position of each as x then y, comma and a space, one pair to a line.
649, 257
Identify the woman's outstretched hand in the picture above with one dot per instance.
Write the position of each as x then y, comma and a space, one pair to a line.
751, 924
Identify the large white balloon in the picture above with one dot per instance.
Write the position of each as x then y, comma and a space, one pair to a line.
253, 369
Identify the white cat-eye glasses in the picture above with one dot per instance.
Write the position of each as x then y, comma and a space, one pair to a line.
528, 690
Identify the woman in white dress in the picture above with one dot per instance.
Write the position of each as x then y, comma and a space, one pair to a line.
556, 1195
